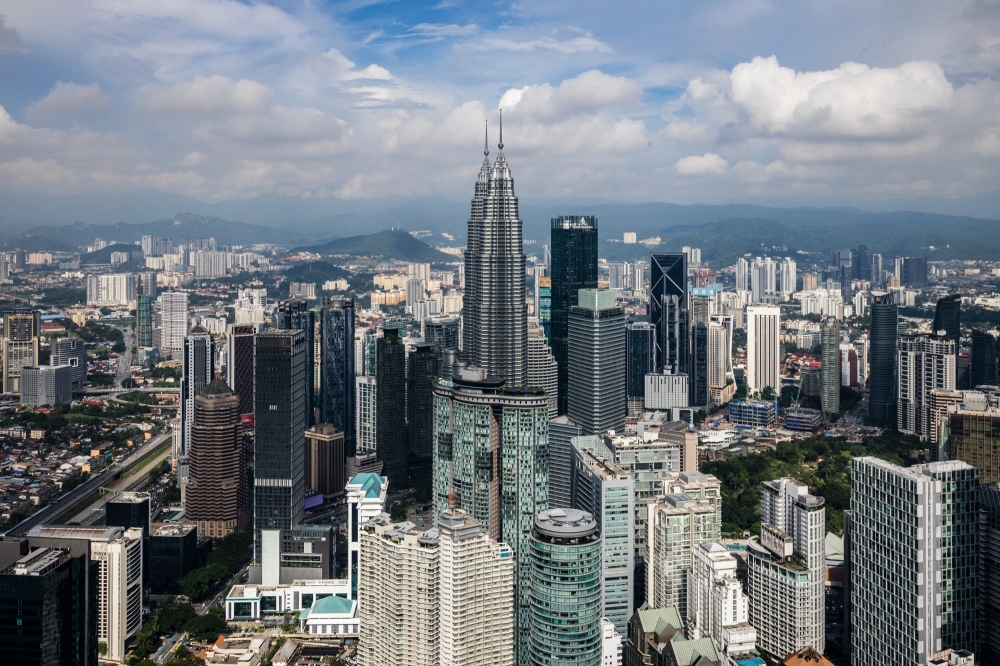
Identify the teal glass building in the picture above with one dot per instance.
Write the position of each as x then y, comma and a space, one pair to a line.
565, 590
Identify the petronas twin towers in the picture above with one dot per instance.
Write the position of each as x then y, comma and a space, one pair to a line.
495, 316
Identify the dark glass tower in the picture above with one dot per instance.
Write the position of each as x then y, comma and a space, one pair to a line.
640, 357
862, 266
495, 316
948, 316
390, 407
280, 384
983, 365
337, 372
294, 314
574, 267
882, 355
441, 332
698, 378
240, 364
668, 311
422, 366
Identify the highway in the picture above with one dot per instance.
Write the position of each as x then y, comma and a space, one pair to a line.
61, 505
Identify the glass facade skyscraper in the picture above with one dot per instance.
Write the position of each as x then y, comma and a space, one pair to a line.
491, 450
882, 358
574, 267
668, 311
422, 367
280, 384
390, 407
294, 314
144, 321
983, 363
640, 359
337, 371
596, 363
565, 591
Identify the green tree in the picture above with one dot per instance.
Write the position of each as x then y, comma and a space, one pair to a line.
741, 392
102, 649
768, 394
207, 627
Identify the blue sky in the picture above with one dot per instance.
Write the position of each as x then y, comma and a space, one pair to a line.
803, 102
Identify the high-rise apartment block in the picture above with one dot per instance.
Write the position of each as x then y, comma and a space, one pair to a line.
494, 313
46, 385
239, 364
72, 352
597, 401
337, 369
787, 569
113, 289
491, 451
422, 368
677, 524
476, 594
198, 371
973, 435
173, 321
561, 434
22, 329
717, 605
925, 363
605, 491
280, 422
543, 371
763, 348
216, 498
565, 597
924, 522
573, 267
366, 423
366, 496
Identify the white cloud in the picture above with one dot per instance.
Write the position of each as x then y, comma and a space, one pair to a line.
210, 95
709, 164
67, 100
589, 92
852, 101
194, 158
684, 131
586, 43
442, 30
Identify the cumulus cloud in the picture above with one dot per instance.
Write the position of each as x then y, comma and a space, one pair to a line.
587, 93
442, 30
586, 43
684, 131
709, 164
210, 95
852, 101
67, 100
9, 39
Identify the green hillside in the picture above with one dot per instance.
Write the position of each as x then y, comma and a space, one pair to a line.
389, 244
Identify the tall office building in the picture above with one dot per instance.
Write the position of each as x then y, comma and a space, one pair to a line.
925, 363
565, 592
494, 313
604, 490
398, 594
923, 521
366, 423
787, 569
173, 321
597, 401
640, 360
441, 332
677, 524
22, 329
668, 311
973, 434
913, 272
294, 314
543, 371
390, 407
491, 450
216, 499
561, 434
422, 368
72, 352
325, 468
718, 607
118, 553
239, 364
698, 386
366, 497
830, 379
280, 385
476, 594
882, 358
44, 604
543, 309
763, 348
144, 320
721, 383
198, 370
989, 573
983, 362
948, 316
742, 275
573, 267
337, 369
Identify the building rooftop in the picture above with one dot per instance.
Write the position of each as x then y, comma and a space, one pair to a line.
656, 620
371, 484
566, 523
129, 498
171, 529
806, 657
332, 605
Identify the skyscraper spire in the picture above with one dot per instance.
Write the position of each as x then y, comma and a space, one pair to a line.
486, 142
500, 145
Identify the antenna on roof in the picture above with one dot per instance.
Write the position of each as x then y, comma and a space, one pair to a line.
486, 142
500, 145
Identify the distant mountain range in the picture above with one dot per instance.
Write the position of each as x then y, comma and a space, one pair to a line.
391, 244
